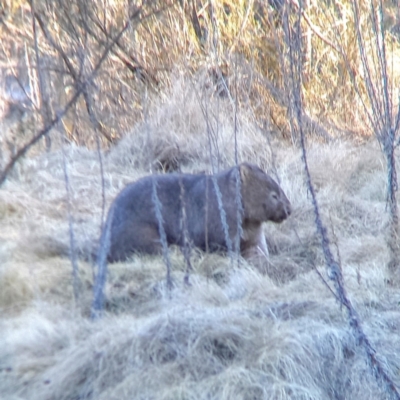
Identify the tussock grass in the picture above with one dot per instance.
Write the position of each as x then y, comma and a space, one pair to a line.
176, 135
241, 41
234, 333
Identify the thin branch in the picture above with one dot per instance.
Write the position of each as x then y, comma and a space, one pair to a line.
163, 236
23, 150
315, 29
72, 247
334, 271
101, 276
238, 193
75, 76
350, 70
186, 245
43, 93
244, 22
376, 111
79, 90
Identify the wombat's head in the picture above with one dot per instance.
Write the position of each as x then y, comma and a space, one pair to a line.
262, 198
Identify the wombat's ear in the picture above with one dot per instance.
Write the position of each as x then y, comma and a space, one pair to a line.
245, 171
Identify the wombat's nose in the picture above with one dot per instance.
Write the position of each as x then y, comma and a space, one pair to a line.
288, 210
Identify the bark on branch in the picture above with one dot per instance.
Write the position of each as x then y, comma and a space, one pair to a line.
79, 90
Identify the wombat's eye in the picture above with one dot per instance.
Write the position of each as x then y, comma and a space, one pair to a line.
274, 196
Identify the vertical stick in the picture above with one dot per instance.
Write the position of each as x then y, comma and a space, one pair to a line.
158, 211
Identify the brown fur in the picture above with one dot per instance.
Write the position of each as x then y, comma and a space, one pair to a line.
134, 227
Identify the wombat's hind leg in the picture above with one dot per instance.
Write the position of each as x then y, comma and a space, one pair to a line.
147, 240
136, 239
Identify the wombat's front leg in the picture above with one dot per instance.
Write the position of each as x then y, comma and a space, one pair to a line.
256, 252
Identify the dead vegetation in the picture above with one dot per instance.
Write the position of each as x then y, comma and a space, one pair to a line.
195, 86
234, 49
234, 333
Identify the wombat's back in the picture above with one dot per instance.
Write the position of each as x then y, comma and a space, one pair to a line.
134, 226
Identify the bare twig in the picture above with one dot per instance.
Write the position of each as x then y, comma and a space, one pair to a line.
239, 213
323, 280
243, 25
129, 60
385, 126
163, 237
238, 194
222, 214
293, 40
103, 191
314, 28
72, 247
186, 245
79, 90
43, 92
23, 150
101, 276
75, 76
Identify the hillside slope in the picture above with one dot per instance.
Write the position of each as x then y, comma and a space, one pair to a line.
234, 333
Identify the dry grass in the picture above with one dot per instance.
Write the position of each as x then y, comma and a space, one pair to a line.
241, 41
234, 333
168, 141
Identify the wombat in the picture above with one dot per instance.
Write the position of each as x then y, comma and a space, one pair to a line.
201, 210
